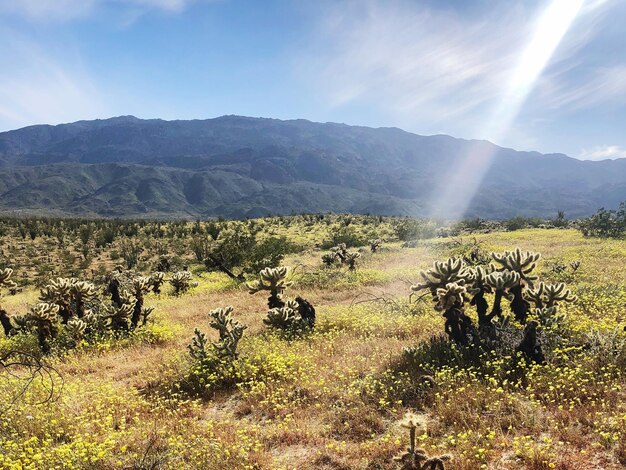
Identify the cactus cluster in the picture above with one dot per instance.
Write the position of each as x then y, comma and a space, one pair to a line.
181, 281
285, 315
342, 256
453, 284
75, 308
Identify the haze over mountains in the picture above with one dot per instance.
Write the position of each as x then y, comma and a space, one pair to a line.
236, 166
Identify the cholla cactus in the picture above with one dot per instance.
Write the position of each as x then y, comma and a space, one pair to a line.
70, 295
5, 278
452, 295
549, 317
548, 295
375, 245
82, 292
530, 347
156, 281
42, 316
140, 287
479, 276
118, 316
442, 273
43, 312
329, 259
341, 253
501, 283
285, 317
521, 262
197, 348
350, 259
417, 459
273, 280
230, 332
181, 282
76, 328
5, 281
59, 292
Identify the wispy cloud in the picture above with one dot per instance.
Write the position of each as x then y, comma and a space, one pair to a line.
433, 68
603, 152
39, 89
66, 10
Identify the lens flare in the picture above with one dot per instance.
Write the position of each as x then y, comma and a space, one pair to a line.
453, 196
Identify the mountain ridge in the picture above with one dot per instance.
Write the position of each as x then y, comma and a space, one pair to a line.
237, 166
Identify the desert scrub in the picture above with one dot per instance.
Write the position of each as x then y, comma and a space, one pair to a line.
338, 280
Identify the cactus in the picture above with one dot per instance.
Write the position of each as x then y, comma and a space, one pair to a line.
273, 280
70, 295
5, 281
76, 329
375, 245
523, 263
350, 259
530, 347
442, 273
197, 348
140, 286
329, 259
306, 311
549, 317
230, 332
82, 292
181, 281
417, 459
501, 283
114, 288
156, 281
548, 295
285, 317
118, 316
341, 253
163, 265
59, 292
453, 295
481, 286
42, 316
458, 326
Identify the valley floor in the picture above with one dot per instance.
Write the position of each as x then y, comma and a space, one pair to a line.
333, 398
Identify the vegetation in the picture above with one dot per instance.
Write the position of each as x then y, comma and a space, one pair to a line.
501, 358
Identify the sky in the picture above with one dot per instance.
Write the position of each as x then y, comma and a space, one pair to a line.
429, 67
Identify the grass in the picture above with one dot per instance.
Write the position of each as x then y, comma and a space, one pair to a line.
332, 399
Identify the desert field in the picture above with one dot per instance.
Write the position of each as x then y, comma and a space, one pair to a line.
285, 393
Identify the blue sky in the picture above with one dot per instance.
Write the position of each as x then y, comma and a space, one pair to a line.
425, 66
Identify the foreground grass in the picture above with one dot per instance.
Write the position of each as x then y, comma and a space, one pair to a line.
332, 399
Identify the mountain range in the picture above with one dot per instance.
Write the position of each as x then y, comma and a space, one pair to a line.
235, 166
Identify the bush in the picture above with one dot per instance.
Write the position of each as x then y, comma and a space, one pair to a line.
605, 223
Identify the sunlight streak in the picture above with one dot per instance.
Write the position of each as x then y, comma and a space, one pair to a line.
454, 194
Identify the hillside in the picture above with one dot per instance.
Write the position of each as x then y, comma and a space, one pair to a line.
240, 167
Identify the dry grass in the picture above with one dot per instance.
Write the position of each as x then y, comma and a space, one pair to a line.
331, 400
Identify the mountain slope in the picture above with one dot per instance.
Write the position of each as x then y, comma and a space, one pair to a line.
237, 166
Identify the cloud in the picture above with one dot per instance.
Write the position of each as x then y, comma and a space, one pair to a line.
604, 86
39, 89
67, 10
603, 152
432, 68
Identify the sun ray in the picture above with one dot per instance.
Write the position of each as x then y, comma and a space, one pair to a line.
453, 196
